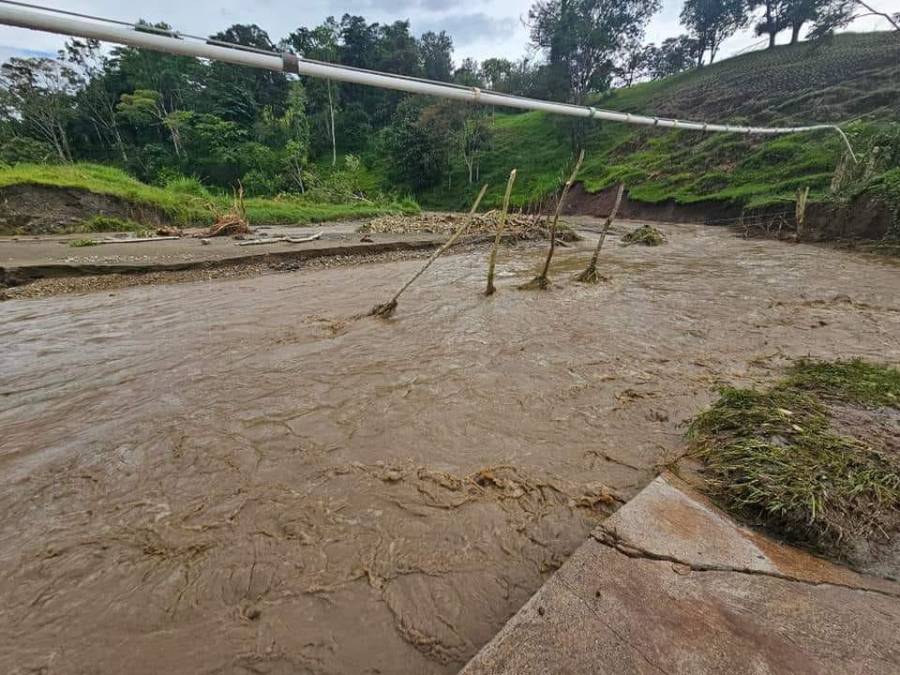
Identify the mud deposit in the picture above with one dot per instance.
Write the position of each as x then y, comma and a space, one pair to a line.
233, 476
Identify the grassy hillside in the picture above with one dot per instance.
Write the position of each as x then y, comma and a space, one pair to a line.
187, 202
853, 79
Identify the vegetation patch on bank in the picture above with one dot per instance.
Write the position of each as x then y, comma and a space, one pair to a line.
785, 458
186, 202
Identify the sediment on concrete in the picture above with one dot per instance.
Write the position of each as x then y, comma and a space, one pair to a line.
671, 584
18, 275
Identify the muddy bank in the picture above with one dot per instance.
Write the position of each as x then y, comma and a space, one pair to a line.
864, 218
42, 209
235, 476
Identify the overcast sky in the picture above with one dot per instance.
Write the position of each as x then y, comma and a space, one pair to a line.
480, 28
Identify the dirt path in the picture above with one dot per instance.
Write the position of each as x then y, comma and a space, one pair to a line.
235, 476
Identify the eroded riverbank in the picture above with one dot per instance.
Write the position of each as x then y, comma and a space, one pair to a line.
236, 475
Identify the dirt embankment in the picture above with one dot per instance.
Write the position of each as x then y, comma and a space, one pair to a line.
864, 218
43, 209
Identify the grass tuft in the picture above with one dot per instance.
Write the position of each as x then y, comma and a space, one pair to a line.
645, 235
854, 381
774, 456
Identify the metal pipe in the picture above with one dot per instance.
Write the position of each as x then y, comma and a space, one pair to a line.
18, 16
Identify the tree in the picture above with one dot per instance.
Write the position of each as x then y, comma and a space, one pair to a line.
673, 56
834, 14
144, 108
437, 60
468, 74
476, 136
771, 23
237, 93
711, 22
496, 73
583, 38
416, 149
97, 96
635, 62
321, 44
40, 93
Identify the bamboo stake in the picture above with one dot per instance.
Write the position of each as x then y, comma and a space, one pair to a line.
800, 211
591, 275
542, 281
388, 308
492, 261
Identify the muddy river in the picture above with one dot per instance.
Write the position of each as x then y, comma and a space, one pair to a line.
235, 476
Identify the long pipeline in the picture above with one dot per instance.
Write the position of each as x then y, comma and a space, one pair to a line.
66, 23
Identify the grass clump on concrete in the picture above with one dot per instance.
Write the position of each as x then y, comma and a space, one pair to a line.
777, 458
645, 235
81, 243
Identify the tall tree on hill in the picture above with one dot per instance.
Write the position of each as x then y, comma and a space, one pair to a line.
771, 23
834, 14
673, 56
437, 55
582, 39
711, 22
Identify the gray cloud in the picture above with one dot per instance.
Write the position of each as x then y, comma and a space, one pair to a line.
466, 29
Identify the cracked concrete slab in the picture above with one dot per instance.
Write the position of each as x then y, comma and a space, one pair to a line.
671, 584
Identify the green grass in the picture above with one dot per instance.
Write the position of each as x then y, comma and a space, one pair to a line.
81, 243
853, 381
774, 456
852, 77
109, 224
183, 205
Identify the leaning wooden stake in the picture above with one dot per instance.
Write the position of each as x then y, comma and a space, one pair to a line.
490, 290
388, 308
800, 211
542, 280
591, 275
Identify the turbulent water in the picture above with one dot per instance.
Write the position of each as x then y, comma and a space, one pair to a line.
240, 476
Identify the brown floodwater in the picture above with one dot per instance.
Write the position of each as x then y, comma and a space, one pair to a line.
236, 476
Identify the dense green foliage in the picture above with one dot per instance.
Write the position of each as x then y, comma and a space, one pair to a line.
776, 456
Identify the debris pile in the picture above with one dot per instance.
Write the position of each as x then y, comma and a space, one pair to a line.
228, 225
519, 226
646, 235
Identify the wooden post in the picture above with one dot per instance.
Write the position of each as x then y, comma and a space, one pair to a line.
591, 275
542, 280
492, 261
388, 308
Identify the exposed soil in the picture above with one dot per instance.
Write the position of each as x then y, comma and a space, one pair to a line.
865, 218
40, 209
239, 476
